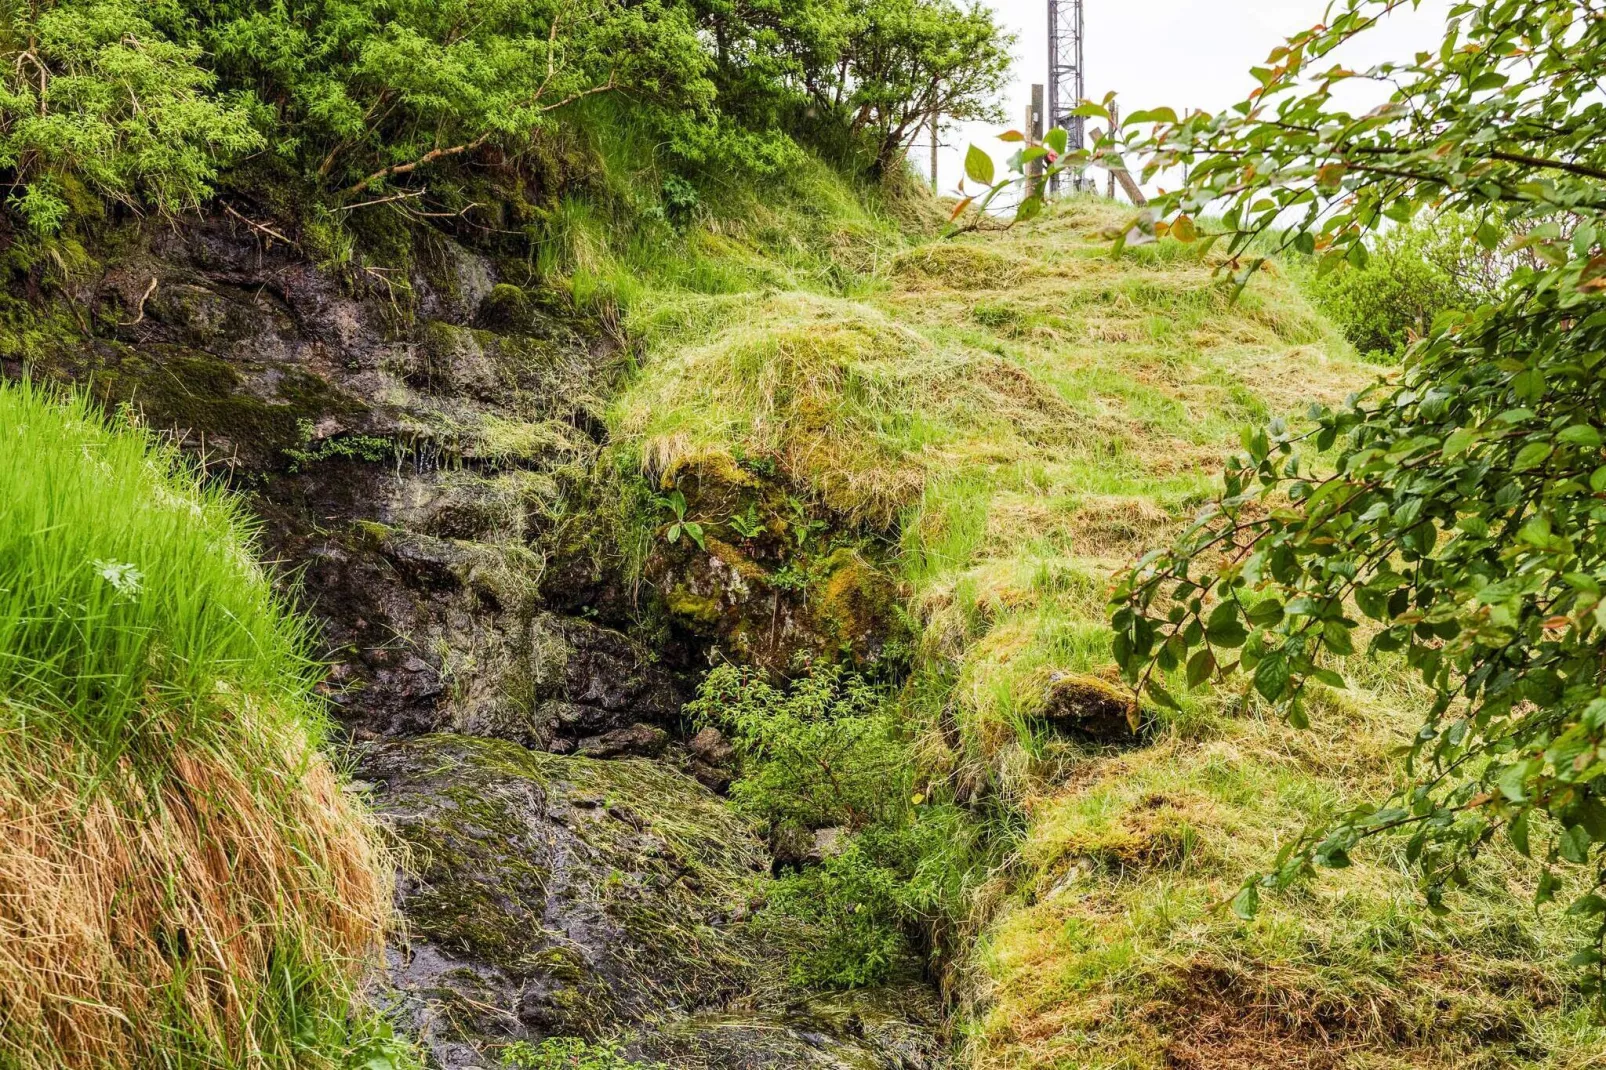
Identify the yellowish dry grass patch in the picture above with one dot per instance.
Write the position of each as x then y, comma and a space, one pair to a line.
140, 918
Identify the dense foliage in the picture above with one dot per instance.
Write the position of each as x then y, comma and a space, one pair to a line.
828, 753
94, 101
1412, 274
146, 104
1452, 517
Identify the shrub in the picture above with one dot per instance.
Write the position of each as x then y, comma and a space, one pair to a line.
93, 95
1410, 275
826, 752
182, 875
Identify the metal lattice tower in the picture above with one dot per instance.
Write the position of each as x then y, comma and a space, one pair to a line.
1066, 86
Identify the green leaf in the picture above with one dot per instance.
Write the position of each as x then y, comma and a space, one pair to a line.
1336, 636
1587, 906
1246, 904
1200, 666
1580, 435
1056, 139
1266, 613
1518, 833
1532, 455
1162, 696
1271, 676
1151, 115
1458, 442
1513, 783
979, 166
1574, 845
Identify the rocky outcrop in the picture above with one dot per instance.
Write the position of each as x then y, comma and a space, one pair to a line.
559, 895
773, 578
565, 896
418, 434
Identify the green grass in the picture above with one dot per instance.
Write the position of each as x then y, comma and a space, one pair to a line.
123, 587
1023, 414
183, 880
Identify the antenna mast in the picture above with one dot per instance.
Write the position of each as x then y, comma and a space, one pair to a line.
1066, 86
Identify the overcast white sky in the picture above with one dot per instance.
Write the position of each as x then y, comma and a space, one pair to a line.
1182, 53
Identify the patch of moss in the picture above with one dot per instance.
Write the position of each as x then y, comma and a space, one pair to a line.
202, 395
856, 605
699, 609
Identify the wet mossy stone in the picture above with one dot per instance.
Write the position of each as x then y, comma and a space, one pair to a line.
894, 1028
855, 605
569, 896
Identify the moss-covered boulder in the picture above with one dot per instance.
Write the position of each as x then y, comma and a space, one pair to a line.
878, 1029
557, 895
773, 578
564, 896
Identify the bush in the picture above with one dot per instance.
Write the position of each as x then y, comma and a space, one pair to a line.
93, 95
1408, 276
829, 752
181, 871
825, 752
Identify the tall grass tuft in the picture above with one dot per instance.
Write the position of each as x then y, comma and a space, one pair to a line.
184, 881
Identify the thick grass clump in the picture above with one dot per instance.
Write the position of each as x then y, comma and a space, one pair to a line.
184, 881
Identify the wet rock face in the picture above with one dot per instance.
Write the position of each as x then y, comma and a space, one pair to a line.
560, 896
564, 896
884, 1029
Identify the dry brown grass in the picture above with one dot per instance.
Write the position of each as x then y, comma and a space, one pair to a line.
143, 915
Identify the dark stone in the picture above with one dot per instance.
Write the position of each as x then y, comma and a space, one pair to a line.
711, 760
886, 1029
534, 911
1089, 707
638, 740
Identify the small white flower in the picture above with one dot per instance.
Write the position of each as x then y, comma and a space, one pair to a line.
126, 578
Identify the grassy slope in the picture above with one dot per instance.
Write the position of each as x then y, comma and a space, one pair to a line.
1026, 415
183, 881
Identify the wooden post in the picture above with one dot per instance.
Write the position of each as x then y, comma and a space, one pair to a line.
1115, 127
1034, 136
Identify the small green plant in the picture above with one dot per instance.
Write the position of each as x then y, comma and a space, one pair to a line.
790, 577
370, 448
804, 527
747, 524
570, 1053
675, 504
829, 752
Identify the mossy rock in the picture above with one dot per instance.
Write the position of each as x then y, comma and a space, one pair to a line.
875, 1029
856, 606
1087, 706
570, 896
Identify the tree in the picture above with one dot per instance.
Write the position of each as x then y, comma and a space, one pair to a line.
874, 70
1453, 517
367, 91
904, 60
94, 99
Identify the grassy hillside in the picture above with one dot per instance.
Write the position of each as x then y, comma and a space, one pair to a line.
183, 880
1020, 414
